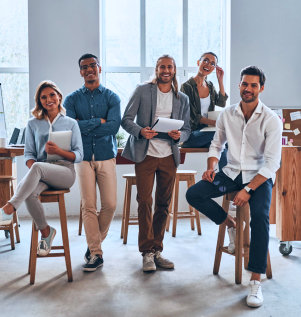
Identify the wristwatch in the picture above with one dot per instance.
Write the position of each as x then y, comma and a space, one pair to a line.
249, 190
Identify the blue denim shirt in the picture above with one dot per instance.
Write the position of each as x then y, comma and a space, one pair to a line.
37, 133
88, 107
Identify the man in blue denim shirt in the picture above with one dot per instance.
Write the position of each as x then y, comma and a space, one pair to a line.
97, 110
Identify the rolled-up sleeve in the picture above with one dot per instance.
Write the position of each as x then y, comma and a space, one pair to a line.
30, 152
272, 150
77, 144
218, 143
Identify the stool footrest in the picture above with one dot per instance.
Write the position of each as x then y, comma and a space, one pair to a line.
133, 223
51, 255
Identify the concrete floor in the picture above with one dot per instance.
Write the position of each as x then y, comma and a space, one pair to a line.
120, 288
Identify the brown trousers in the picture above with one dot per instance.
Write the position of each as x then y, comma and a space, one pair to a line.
152, 227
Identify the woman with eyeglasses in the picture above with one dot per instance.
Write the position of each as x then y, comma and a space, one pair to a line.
203, 97
49, 165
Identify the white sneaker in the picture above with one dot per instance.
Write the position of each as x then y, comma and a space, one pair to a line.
232, 235
162, 262
148, 262
255, 297
4, 216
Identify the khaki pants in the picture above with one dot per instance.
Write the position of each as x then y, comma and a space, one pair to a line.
97, 224
152, 227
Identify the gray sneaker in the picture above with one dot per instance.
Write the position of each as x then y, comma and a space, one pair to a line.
232, 236
162, 262
148, 262
44, 246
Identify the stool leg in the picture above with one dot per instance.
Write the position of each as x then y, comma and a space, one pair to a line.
124, 209
127, 213
269, 267
191, 211
238, 244
196, 213
11, 233
170, 211
175, 207
33, 254
63, 219
80, 223
220, 240
246, 235
15, 221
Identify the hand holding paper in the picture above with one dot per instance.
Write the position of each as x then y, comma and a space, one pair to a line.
167, 125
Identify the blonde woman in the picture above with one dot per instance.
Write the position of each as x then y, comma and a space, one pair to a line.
48, 115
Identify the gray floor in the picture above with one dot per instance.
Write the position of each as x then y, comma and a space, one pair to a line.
120, 288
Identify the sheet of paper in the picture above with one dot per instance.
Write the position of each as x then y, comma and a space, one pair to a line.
296, 131
287, 126
166, 124
295, 115
279, 113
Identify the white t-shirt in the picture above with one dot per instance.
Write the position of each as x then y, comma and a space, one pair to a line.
205, 103
161, 147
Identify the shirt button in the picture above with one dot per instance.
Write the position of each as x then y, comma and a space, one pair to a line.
92, 116
92, 106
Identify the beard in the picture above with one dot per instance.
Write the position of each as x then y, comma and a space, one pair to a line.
162, 81
246, 100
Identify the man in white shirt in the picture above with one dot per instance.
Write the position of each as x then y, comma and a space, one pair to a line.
253, 133
155, 154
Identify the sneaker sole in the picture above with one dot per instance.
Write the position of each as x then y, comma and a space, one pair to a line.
254, 305
150, 270
90, 269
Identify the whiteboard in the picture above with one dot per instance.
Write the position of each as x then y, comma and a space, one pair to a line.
2, 117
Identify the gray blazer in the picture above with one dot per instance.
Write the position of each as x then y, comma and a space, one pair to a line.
142, 105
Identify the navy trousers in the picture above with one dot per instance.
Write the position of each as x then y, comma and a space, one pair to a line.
200, 197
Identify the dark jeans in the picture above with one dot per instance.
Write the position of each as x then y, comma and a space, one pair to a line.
199, 196
203, 139
152, 227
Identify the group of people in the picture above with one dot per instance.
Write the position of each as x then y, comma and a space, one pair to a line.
246, 146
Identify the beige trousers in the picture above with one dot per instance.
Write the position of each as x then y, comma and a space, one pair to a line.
102, 173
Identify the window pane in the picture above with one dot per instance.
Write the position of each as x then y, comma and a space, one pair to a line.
204, 29
13, 33
123, 84
123, 33
15, 99
164, 30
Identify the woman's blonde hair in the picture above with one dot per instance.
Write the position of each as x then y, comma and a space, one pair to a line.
39, 112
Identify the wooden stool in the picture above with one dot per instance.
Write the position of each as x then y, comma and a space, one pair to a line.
9, 225
188, 177
46, 197
242, 241
127, 219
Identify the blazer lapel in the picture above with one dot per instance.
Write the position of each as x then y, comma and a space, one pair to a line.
176, 104
153, 103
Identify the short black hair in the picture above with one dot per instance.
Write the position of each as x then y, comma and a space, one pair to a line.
211, 53
255, 71
85, 56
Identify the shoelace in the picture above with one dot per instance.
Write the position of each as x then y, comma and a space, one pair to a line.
255, 289
149, 257
43, 245
93, 259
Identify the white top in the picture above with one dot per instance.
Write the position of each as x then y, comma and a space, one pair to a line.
254, 147
205, 103
160, 147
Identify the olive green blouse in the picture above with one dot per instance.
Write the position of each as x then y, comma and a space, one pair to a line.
190, 89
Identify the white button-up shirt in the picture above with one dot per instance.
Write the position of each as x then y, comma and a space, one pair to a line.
254, 147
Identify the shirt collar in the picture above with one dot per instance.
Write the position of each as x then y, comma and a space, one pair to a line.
258, 108
84, 89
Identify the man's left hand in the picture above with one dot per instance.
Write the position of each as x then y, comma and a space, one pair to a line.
175, 134
241, 198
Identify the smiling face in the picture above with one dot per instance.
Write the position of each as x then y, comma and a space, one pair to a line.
90, 70
250, 88
206, 64
165, 71
50, 100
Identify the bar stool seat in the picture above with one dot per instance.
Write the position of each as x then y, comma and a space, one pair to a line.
187, 176
12, 224
47, 196
242, 241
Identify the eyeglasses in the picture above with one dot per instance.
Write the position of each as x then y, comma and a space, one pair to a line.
85, 67
207, 62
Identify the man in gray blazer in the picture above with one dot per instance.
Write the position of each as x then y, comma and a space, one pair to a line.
155, 154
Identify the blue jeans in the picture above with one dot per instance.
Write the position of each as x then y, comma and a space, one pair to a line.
199, 196
203, 139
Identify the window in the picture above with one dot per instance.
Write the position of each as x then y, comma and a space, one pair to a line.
14, 62
136, 32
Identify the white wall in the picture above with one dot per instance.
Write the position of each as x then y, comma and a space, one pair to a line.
263, 33
267, 34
